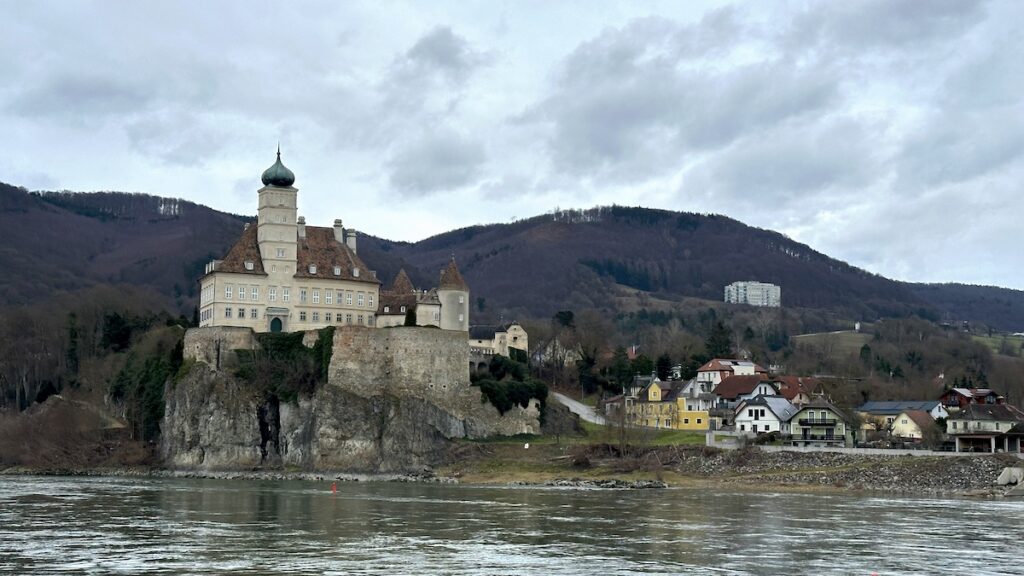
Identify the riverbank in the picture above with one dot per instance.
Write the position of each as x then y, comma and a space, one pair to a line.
602, 466
749, 468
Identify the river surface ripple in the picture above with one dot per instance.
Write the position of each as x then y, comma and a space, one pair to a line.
52, 525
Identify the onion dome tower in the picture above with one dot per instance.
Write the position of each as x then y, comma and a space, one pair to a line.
278, 175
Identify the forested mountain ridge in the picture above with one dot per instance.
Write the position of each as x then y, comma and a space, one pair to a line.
63, 241
532, 267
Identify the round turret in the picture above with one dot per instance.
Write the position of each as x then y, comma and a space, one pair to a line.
278, 175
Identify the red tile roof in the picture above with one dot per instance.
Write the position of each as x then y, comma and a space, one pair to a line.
733, 387
246, 249
451, 279
319, 248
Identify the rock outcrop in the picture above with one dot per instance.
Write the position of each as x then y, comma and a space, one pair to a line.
392, 400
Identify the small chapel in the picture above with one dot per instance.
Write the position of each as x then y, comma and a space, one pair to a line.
284, 276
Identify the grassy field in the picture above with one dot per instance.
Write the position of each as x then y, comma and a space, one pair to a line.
843, 343
995, 342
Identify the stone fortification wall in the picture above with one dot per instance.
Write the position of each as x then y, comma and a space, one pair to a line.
423, 363
392, 401
216, 345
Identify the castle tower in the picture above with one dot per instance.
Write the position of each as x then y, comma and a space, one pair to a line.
278, 227
453, 292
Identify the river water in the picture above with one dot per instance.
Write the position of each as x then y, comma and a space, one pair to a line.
176, 526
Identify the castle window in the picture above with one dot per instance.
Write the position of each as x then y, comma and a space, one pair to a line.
227, 312
241, 292
227, 292
355, 272
462, 299
348, 318
312, 268
461, 318
302, 316
273, 267
370, 303
360, 319
369, 320
316, 295
437, 316
359, 299
280, 252
284, 294
387, 309
253, 313
241, 313
302, 295
328, 296
348, 298
272, 293
255, 293
337, 270
327, 317
316, 316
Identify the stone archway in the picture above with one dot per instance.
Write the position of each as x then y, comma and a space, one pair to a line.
276, 325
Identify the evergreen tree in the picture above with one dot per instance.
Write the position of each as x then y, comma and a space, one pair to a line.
664, 366
620, 370
642, 365
72, 353
719, 342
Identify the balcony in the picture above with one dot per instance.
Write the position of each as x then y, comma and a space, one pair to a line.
818, 421
818, 438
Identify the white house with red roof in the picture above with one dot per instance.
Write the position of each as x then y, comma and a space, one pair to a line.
721, 368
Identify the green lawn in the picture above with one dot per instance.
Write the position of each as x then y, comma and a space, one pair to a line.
843, 343
995, 342
595, 433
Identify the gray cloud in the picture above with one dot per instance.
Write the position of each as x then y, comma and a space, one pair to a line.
436, 162
80, 97
636, 100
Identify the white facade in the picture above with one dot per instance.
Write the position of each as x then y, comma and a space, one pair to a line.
754, 293
284, 276
768, 415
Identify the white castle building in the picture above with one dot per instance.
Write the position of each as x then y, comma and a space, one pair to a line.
754, 293
284, 276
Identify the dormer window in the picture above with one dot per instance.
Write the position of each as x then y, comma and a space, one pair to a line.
387, 309
312, 268
249, 265
337, 270
355, 272
403, 308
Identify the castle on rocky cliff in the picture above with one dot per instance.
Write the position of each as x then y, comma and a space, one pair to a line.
284, 276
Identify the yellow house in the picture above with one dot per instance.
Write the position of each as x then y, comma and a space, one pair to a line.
912, 424
657, 406
690, 419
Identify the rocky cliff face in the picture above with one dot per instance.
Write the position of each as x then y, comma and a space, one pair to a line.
392, 401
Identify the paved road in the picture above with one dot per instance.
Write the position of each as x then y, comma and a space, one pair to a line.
585, 412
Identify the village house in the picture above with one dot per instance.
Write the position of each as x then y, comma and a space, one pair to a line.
719, 369
764, 414
818, 423
499, 339
878, 416
797, 389
958, 398
987, 428
735, 389
912, 425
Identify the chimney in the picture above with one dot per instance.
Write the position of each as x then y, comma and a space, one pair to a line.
302, 226
339, 232
350, 239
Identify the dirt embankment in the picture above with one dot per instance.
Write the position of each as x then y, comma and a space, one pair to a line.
741, 468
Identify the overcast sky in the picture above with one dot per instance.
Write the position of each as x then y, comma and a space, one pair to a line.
889, 134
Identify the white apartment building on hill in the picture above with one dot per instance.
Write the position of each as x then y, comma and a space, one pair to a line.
754, 293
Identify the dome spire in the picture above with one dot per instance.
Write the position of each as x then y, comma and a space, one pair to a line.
278, 175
